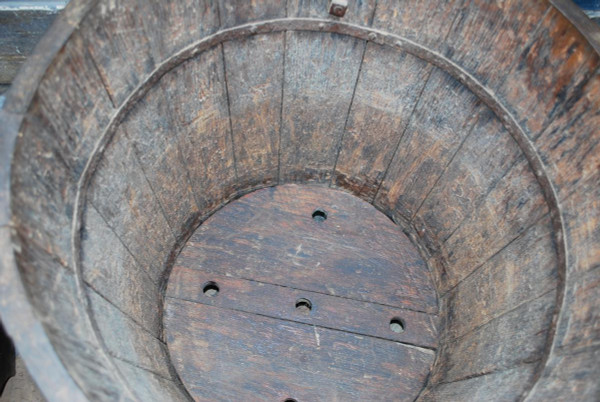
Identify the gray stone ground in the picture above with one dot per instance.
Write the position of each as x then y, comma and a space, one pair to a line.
21, 387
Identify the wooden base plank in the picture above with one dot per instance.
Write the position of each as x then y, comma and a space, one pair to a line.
301, 292
226, 355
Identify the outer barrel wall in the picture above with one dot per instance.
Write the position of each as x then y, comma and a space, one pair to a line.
473, 124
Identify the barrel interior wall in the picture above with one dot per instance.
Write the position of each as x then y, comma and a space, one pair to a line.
116, 164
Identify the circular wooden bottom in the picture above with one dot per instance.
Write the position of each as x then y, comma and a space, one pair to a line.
302, 293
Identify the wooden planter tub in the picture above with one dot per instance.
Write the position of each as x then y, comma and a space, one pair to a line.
259, 200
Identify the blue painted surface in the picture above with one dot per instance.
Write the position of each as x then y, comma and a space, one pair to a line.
588, 4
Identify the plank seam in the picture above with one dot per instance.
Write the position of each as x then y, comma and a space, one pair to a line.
340, 141
233, 156
325, 294
408, 122
137, 263
424, 349
281, 106
154, 196
127, 315
360, 66
454, 339
500, 250
458, 149
491, 187
320, 25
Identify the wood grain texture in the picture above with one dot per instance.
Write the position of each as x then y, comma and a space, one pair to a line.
123, 204
254, 72
487, 37
238, 12
474, 170
473, 194
442, 119
110, 273
582, 330
10, 123
507, 211
264, 253
327, 311
517, 337
579, 327
56, 299
582, 228
570, 376
500, 385
320, 75
199, 116
236, 355
150, 386
498, 286
557, 58
426, 22
42, 190
388, 87
569, 145
126, 339
20, 31
173, 25
59, 308
148, 130
121, 46
86, 366
72, 99
276, 241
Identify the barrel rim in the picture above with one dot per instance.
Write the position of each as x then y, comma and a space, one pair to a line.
15, 309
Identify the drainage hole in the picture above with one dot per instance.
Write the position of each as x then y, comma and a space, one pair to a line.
210, 289
397, 325
290, 400
319, 215
303, 306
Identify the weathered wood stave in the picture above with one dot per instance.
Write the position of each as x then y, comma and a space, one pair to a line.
87, 176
